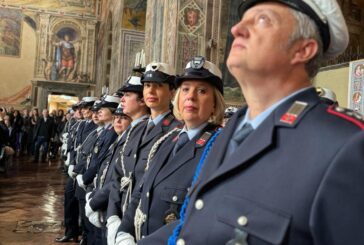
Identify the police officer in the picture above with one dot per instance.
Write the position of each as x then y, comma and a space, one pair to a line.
83, 159
70, 208
98, 199
134, 106
200, 105
158, 91
107, 137
288, 168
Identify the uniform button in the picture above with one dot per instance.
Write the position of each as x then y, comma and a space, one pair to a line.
199, 204
180, 242
243, 220
143, 236
147, 194
174, 198
134, 155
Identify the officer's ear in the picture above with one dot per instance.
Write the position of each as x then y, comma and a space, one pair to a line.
303, 51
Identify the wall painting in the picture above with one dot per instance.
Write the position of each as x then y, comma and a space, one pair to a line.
10, 32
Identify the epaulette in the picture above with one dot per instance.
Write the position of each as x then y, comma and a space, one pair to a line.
168, 120
206, 136
347, 114
293, 113
203, 139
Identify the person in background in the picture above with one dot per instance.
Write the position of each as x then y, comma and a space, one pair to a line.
18, 123
26, 131
43, 133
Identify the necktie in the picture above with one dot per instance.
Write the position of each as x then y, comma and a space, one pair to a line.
238, 138
182, 140
149, 128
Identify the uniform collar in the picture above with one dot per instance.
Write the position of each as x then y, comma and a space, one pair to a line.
136, 121
262, 116
192, 132
159, 118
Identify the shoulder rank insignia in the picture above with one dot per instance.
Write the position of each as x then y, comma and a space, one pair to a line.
167, 121
347, 114
203, 139
293, 112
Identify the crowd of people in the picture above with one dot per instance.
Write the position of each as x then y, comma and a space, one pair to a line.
21, 132
152, 163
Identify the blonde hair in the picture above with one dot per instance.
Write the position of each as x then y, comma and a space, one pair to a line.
218, 114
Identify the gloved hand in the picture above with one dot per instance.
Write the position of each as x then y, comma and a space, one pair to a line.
94, 219
70, 171
80, 181
112, 224
67, 162
124, 238
87, 197
88, 209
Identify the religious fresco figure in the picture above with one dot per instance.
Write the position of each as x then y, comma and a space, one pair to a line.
65, 56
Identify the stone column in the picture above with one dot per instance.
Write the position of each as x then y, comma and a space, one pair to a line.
42, 44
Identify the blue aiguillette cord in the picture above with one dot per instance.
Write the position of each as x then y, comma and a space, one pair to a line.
173, 238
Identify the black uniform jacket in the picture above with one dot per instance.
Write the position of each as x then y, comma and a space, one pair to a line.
135, 157
104, 141
100, 195
166, 183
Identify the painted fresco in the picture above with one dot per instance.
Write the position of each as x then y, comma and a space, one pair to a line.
192, 21
134, 14
66, 6
66, 55
10, 32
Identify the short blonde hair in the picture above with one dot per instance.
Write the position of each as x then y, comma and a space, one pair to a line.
218, 114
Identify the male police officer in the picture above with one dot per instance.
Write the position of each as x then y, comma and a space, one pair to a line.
297, 178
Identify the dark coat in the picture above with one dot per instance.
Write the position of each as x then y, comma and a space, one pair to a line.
294, 183
104, 141
49, 124
165, 185
100, 195
135, 158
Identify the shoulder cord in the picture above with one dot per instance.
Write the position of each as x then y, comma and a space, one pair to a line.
173, 238
80, 146
157, 144
140, 217
104, 172
126, 181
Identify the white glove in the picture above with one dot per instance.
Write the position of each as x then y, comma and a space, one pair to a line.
80, 181
88, 196
70, 171
94, 219
88, 209
112, 224
123, 238
67, 162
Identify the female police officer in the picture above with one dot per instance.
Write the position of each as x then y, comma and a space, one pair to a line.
200, 105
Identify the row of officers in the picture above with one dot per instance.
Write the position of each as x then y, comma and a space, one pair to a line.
287, 169
130, 158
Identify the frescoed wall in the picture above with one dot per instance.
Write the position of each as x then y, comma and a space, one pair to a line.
17, 71
82, 7
10, 32
134, 14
